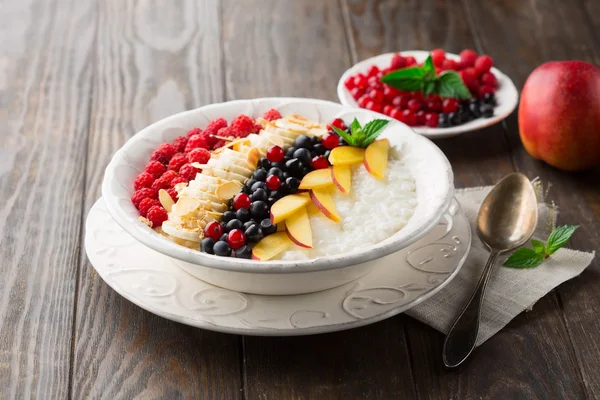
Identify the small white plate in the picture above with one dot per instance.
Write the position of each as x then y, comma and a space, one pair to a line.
507, 95
158, 283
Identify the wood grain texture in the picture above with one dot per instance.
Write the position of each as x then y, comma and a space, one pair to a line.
45, 81
478, 158
153, 59
543, 31
299, 49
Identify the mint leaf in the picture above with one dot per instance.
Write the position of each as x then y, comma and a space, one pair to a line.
524, 258
344, 135
428, 88
373, 129
429, 68
449, 84
406, 79
538, 247
559, 237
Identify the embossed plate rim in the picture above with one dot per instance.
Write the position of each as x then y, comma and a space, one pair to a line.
344, 294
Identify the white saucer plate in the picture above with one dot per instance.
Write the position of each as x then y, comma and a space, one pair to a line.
507, 95
156, 283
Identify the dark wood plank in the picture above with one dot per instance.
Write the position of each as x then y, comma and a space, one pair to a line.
545, 31
478, 158
151, 61
299, 49
45, 84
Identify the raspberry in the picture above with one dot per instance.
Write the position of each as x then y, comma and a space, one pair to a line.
194, 131
450, 64
213, 126
143, 180
177, 162
188, 172
242, 126
173, 193
169, 176
488, 79
201, 141
180, 142
468, 57
160, 157
257, 128
157, 215
161, 183
483, 63
198, 155
167, 149
146, 204
397, 62
142, 194
178, 180
438, 56
272, 114
224, 133
155, 168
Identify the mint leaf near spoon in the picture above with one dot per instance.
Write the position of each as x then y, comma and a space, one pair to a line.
530, 258
423, 78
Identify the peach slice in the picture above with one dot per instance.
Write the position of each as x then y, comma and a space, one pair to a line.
270, 246
346, 155
287, 206
324, 202
376, 158
316, 179
298, 228
342, 177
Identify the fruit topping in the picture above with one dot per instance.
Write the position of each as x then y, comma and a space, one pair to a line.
157, 215
222, 248
213, 230
342, 177
297, 227
275, 153
346, 155
270, 246
322, 199
316, 179
241, 200
236, 238
287, 206
376, 158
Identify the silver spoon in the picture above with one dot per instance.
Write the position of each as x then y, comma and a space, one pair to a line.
506, 220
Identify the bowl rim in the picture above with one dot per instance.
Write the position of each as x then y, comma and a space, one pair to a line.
146, 236
507, 87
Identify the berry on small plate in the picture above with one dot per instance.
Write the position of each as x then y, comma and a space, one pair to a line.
494, 95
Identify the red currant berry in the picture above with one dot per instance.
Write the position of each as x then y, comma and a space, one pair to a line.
414, 105
438, 56
241, 200
467, 77
450, 64
420, 118
484, 63
373, 70
387, 109
401, 101
396, 114
213, 230
376, 95
433, 105
468, 57
450, 105
349, 83
371, 105
360, 81
330, 141
488, 79
389, 92
236, 238
485, 89
409, 117
362, 102
357, 93
273, 182
418, 96
318, 162
431, 120
410, 60
397, 62
338, 123
275, 154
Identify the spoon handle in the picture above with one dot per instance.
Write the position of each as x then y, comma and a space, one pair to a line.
462, 336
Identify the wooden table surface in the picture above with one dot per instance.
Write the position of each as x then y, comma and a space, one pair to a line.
79, 77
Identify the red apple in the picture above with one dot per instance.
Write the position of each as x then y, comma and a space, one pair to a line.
559, 114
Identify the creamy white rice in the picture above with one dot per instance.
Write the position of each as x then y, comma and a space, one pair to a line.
372, 212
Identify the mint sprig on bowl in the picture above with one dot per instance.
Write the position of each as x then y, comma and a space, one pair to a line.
530, 258
362, 136
423, 78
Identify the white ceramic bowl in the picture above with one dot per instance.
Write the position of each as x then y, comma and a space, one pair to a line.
507, 95
428, 165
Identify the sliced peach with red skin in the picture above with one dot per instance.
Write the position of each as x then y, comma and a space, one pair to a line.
298, 228
376, 158
324, 202
270, 246
287, 206
346, 155
342, 177
316, 179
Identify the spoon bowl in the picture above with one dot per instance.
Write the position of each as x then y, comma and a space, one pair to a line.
506, 220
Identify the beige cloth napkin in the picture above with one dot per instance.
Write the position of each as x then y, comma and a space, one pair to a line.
510, 291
